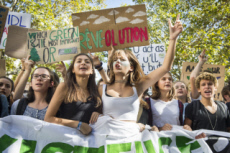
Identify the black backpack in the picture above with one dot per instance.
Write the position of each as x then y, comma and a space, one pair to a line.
22, 106
196, 107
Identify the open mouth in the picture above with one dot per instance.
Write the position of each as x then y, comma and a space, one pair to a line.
38, 84
117, 66
167, 85
181, 92
207, 91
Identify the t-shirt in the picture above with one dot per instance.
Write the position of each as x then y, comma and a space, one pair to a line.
203, 119
165, 112
29, 111
4, 106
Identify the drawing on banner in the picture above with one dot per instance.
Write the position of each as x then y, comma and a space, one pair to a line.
150, 57
3, 15
17, 19
53, 45
121, 27
217, 70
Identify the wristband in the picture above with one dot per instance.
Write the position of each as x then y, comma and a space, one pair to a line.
99, 69
79, 125
98, 66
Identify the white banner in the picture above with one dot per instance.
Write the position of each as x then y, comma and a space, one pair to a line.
21, 134
18, 19
150, 57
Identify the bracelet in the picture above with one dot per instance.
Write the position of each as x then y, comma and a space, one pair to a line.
79, 125
98, 66
99, 69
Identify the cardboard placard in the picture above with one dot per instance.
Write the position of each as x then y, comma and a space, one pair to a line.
16, 45
121, 27
2, 67
17, 19
150, 57
53, 45
217, 70
3, 15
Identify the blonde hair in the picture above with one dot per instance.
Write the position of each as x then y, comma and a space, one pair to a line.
187, 97
134, 76
205, 76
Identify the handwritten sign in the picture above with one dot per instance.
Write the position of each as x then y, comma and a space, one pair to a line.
150, 57
3, 15
17, 19
53, 45
2, 67
217, 70
121, 27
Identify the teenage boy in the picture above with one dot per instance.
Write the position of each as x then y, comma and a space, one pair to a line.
206, 113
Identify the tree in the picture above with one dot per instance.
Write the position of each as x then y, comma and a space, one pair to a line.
47, 15
206, 26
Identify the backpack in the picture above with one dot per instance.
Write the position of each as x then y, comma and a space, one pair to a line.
22, 106
196, 107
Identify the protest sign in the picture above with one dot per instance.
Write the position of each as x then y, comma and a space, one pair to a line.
17, 19
53, 45
3, 15
121, 27
26, 134
150, 57
217, 70
2, 67
17, 44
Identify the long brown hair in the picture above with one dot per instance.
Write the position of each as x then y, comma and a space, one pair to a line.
156, 94
72, 85
50, 92
134, 76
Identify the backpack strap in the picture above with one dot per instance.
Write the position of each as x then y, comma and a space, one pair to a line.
181, 110
22, 106
195, 108
150, 121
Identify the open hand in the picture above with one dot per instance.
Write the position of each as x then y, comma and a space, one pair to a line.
175, 30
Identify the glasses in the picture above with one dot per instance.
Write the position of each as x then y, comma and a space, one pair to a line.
42, 76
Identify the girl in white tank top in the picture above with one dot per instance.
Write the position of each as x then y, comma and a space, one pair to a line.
127, 83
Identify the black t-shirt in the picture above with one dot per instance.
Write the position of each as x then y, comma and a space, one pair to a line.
78, 111
203, 119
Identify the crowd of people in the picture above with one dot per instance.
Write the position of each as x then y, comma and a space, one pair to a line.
123, 95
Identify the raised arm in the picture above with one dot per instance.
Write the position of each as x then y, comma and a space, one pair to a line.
202, 59
55, 104
24, 78
98, 65
20, 74
155, 75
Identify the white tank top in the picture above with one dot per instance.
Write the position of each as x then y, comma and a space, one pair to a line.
121, 108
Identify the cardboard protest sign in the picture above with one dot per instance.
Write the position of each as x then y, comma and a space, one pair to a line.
217, 70
17, 43
2, 67
121, 27
17, 19
3, 15
53, 45
150, 57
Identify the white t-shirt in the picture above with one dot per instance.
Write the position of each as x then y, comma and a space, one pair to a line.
165, 112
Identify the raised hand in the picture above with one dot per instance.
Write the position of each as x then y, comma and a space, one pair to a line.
29, 64
202, 57
175, 30
96, 60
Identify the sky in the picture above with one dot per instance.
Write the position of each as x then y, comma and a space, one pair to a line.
118, 3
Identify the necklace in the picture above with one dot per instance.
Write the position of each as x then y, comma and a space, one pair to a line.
213, 127
119, 81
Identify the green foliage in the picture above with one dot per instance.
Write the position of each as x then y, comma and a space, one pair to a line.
206, 26
47, 15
